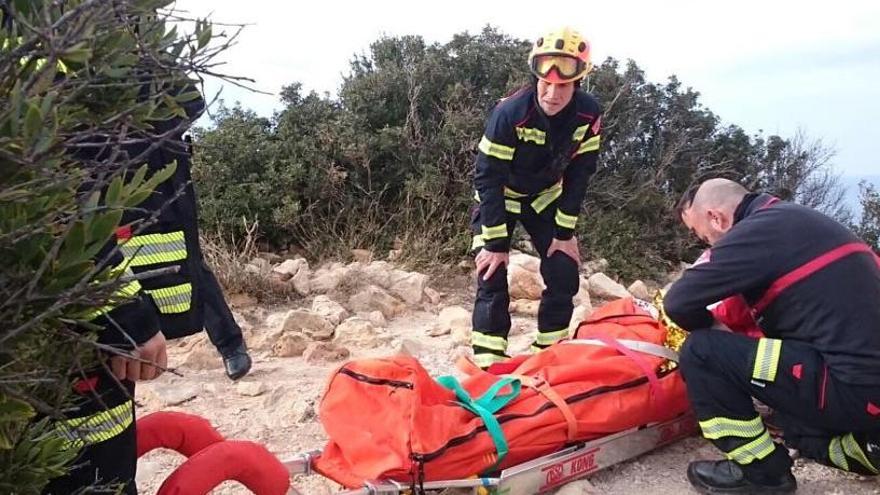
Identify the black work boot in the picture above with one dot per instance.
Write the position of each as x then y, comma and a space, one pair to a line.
728, 477
236, 361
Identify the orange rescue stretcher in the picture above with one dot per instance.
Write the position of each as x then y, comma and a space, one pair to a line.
528, 425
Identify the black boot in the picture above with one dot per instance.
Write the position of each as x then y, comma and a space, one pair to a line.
728, 477
237, 362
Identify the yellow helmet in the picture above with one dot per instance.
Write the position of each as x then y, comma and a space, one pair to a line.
560, 56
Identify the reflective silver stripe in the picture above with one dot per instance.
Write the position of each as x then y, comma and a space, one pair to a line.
550, 337
477, 242
546, 197
757, 449
527, 134
591, 144
496, 150
565, 220
835, 453
96, 428
486, 359
494, 232
171, 300
151, 249
767, 359
852, 448
487, 341
725, 427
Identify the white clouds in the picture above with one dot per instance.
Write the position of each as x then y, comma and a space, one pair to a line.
758, 63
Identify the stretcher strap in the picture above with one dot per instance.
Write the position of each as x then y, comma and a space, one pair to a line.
542, 387
658, 397
485, 407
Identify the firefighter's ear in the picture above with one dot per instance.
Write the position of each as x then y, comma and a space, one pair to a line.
720, 220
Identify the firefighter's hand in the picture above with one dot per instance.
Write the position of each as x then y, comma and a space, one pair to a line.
152, 351
489, 262
569, 248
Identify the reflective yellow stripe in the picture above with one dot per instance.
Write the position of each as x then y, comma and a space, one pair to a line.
497, 150
835, 453
151, 249
551, 337
853, 450
494, 232
527, 134
493, 342
486, 359
535, 349
510, 193
513, 206
121, 295
546, 197
757, 449
477, 242
580, 132
97, 428
591, 144
565, 220
767, 359
724, 427
174, 299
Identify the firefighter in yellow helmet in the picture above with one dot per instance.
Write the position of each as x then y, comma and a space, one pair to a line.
535, 158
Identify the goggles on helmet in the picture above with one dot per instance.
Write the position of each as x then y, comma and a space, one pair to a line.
567, 67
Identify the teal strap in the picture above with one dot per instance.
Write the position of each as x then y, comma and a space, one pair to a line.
486, 406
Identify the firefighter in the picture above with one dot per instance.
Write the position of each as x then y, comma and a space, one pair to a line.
191, 298
535, 159
813, 287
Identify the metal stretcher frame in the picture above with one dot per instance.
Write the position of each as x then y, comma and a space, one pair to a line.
544, 473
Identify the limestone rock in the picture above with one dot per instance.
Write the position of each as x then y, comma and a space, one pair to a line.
639, 290
300, 321
409, 286
374, 298
325, 352
331, 310
603, 287
524, 284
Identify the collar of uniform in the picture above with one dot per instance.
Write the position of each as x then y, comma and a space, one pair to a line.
750, 203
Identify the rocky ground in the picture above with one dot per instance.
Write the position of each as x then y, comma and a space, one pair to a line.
372, 308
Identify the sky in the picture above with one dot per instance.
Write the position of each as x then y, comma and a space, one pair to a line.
775, 66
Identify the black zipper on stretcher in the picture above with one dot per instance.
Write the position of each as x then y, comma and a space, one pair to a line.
376, 381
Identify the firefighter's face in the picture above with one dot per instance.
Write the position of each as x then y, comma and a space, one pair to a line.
554, 97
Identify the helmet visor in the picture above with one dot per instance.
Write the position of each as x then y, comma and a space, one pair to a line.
566, 66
